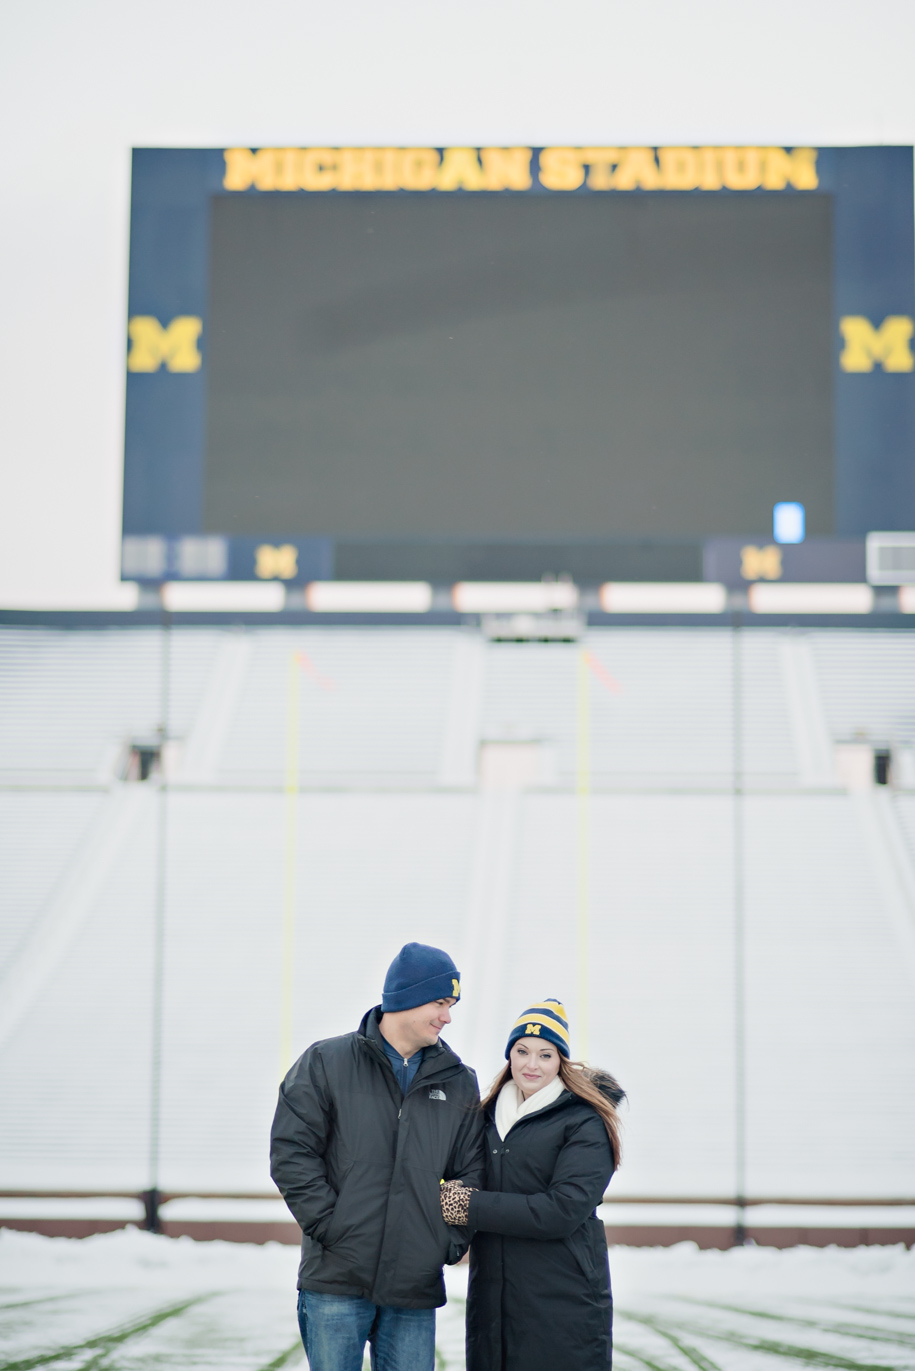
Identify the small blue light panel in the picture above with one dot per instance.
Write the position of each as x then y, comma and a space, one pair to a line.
788, 522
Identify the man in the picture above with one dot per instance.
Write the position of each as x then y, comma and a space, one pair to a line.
366, 1128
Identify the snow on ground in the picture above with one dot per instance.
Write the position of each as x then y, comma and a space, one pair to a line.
131, 1300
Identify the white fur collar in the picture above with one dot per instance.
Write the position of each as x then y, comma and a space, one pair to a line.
510, 1106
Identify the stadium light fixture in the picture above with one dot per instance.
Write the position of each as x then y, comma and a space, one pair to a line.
513, 597
223, 597
788, 522
368, 597
663, 597
810, 598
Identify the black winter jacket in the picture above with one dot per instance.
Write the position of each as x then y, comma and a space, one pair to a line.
539, 1294
359, 1166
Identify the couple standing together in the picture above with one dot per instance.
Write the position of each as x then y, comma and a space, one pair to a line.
392, 1167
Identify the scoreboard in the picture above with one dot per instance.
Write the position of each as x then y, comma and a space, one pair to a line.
445, 363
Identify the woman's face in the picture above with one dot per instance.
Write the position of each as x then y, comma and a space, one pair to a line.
533, 1065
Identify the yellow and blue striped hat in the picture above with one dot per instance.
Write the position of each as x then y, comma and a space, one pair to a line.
546, 1021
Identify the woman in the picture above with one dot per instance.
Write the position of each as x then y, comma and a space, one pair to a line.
539, 1295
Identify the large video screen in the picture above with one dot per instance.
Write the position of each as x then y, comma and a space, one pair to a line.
401, 366
485, 363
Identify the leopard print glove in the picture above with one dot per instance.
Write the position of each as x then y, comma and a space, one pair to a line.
456, 1203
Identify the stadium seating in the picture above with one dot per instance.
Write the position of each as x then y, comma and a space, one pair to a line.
394, 839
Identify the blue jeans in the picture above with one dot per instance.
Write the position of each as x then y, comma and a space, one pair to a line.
335, 1329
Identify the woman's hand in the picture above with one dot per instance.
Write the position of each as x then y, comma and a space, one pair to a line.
456, 1203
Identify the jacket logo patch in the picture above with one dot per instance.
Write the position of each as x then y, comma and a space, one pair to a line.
436, 1094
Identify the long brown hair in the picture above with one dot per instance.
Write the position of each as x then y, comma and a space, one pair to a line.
598, 1088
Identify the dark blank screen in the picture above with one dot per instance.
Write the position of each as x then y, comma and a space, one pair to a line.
511, 366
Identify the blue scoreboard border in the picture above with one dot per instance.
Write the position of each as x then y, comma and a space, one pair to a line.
874, 276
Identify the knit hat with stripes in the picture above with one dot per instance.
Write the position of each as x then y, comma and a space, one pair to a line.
546, 1022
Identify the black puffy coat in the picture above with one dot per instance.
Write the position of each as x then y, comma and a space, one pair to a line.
539, 1294
360, 1165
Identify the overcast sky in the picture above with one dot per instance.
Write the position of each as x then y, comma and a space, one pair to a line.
81, 83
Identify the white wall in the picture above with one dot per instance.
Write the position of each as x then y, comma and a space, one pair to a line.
81, 83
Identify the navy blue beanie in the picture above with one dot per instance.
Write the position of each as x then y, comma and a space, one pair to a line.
419, 975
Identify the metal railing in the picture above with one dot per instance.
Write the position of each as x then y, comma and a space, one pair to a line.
153, 1200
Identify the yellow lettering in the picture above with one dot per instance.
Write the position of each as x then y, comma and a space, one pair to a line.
679, 168
533, 1028
601, 162
676, 168
637, 168
889, 344
459, 168
709, 168
267, 168
561, 168
803, 175
360, 169
289, 168
176, 345
741, 168
506, 168
387, 168
455, 988
418, 168
239, 168
276, 563
777, 165
319, 169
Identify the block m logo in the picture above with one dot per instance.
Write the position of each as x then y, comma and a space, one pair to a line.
281, 563
864, 345
176, 345
761, 563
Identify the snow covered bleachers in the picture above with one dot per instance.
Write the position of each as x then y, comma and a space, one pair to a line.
381, 832
402, 708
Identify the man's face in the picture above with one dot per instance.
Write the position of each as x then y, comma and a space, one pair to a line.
423, 1024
